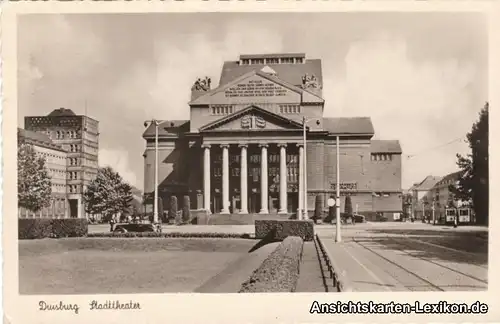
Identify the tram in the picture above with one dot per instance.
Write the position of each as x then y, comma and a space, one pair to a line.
464, 215
451, 213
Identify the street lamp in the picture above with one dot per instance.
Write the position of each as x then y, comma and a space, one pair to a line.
155, 206
304, 124
338, 237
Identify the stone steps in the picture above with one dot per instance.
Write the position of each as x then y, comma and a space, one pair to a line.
246, 219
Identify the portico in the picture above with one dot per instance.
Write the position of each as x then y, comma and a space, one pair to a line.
273, 177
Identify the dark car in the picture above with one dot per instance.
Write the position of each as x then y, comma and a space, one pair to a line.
124, 228
359, 218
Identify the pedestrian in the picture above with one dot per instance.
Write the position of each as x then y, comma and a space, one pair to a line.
111, 224
455, 221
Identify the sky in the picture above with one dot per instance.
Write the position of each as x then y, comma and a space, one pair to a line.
421, 77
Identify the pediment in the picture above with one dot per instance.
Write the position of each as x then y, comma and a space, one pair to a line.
256, 87
252, 118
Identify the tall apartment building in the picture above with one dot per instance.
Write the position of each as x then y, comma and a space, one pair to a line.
56, 163
78, 135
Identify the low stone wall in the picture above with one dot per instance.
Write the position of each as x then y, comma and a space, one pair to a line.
280, 270
280, 229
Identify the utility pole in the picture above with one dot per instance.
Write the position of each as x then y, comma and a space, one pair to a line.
155, 203
338, 237
306, 214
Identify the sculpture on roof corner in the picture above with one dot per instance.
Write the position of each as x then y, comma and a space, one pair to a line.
310, 81
202, 85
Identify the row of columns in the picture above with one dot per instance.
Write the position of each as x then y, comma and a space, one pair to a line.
264, 187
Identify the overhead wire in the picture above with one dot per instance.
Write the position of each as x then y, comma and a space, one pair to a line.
409, 156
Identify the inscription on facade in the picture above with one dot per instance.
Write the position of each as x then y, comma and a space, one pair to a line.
255, 88
344, 186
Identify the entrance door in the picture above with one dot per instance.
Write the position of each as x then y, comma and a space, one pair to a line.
254, 203
73, 208
292, 201
217, 203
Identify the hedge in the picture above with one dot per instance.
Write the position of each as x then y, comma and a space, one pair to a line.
280, 271
171, 234
278, 230
38, 228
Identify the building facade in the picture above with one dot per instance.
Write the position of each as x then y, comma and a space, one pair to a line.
441, 195
56, 163
78, 136
241, 149
422, 197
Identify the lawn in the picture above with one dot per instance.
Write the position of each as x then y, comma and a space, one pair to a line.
121, 266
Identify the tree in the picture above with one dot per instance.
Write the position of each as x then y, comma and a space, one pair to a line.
348, 205
186, 211
318, 208
107, 194
173, 209
34, 186
425, 204
473, 184
407, 202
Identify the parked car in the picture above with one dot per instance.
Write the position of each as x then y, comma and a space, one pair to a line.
134, 227
359, 218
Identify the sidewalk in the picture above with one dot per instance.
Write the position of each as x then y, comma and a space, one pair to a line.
364, 274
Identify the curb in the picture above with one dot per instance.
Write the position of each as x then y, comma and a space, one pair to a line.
340, 280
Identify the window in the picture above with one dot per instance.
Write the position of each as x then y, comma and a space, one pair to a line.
381, 157
272, 61
222, 109
289, 109
299, 60
245, 62
255, 158
257, 61
287, 60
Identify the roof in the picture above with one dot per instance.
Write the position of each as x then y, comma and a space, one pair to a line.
454, 176
61, 112
385, 146
273, 55
427, 184
290, 73
168, 127
38, 139
348, 125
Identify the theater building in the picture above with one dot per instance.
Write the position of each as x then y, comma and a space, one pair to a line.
240, 151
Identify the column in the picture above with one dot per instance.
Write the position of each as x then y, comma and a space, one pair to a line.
225, 179
283, 178
206, 177
301, 181
243, 180
263, 180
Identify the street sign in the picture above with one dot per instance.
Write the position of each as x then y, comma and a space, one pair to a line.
331, 202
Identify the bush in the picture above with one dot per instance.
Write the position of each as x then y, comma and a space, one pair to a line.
171, 235
38, 228
186, 212
348, 205
280, 271
318, 208
72, 227
280, 229
172, 214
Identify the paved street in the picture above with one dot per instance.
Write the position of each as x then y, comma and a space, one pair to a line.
410, 257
